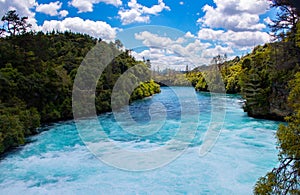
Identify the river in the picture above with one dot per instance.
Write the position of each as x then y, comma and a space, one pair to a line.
57, 160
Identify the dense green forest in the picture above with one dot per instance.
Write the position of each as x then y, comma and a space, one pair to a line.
261, 77
37, 72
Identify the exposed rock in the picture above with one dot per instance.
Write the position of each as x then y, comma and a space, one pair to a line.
276, 108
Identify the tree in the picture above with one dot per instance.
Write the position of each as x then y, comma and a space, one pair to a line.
118, 44
286, 19
285, 179
148, 63
219, 60
13, 24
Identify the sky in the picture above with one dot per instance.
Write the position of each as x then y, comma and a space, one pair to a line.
171, 33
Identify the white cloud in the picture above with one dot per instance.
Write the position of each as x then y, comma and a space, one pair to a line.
181, 40
210, 34
237, 40
181, 3
98, 29
189, 35
236, 15
87, 5
196, 46
150, 39
163, 59
63, 13
139, 13
218, 49
233, 25
155, 9
180, 45
195, 51
268, 21
133, 15
245, 40
164, 50
52, 9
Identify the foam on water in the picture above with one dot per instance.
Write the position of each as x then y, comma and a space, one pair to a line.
57, 161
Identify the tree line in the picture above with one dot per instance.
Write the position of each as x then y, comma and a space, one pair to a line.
37, 72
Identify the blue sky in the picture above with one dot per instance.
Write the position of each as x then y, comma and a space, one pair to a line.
164, 30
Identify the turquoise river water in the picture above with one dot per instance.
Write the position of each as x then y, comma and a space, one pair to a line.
58, 162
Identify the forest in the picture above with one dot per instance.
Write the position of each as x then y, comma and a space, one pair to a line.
37, 72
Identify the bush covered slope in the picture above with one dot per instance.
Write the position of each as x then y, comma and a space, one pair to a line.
37, 72
261, 77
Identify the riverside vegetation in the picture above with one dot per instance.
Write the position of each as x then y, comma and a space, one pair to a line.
269, 81
37, 72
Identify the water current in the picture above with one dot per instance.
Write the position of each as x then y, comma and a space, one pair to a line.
57, 161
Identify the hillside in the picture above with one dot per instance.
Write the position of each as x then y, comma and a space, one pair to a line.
261, 77
37, 72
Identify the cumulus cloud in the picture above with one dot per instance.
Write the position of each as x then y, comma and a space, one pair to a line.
189, 35
236, 15
163, 59
131, 16
242, 40
63, 13
150, 39
155, 9
139, 13
233, 25
245, 40
168, 52
218, 49
87, 5
198, 49
98, 29
210, 34
52, 9
180, 45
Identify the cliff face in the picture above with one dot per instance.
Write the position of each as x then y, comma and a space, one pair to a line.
278, 101
264, 81
275, 107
